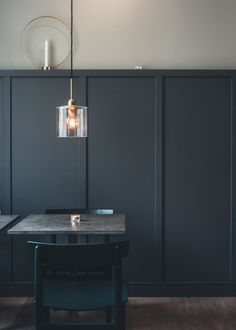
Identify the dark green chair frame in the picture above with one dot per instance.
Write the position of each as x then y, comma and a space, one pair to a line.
49, 258
84, 211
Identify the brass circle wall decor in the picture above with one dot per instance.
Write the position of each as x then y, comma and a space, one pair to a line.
33, 38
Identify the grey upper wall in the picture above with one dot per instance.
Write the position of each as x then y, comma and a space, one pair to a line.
124, 33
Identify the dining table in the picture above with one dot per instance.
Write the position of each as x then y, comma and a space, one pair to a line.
63, 224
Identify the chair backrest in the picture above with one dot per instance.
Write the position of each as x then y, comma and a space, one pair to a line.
79, 257
79, 211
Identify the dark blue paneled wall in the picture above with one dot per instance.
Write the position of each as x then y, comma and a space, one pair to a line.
160, 149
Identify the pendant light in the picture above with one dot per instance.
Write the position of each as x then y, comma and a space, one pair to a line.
71, 118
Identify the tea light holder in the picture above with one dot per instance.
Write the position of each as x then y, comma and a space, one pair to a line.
75, 218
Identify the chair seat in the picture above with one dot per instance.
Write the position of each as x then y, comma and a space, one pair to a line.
81, 295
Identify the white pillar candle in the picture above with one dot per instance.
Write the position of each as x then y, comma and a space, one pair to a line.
46, 53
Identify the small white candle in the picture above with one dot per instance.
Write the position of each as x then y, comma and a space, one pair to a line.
46, 53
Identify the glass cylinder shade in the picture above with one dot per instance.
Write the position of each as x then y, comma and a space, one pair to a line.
71, 121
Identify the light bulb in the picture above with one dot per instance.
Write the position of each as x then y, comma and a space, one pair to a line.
72, 120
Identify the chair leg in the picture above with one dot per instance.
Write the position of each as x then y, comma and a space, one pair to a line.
120, 318
87, 239
109, 315
124, 319
41, 316
46, 315
37, 320
53, 238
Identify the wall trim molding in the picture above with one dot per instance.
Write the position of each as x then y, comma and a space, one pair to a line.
151, 289
116, 73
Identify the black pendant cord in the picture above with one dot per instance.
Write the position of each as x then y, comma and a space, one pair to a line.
71, 49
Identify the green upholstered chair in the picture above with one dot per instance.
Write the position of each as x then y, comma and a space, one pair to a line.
85, 292
83, 211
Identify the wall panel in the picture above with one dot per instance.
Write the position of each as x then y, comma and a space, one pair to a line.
197, 179
46, 171
121, 161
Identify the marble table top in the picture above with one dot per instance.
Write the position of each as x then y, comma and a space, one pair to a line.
108, 224
7, 220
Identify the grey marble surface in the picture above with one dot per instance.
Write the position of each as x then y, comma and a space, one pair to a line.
61, 224
7, 220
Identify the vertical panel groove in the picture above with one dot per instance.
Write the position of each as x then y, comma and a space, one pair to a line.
163, 176
83, 147
7, 156
231, 182
11, 238
87, 144
159, 175
233, 136
7, 145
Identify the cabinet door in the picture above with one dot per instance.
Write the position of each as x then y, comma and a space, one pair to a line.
121, 161
197, 149
47, 172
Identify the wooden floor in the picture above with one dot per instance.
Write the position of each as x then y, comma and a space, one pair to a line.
142, 314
